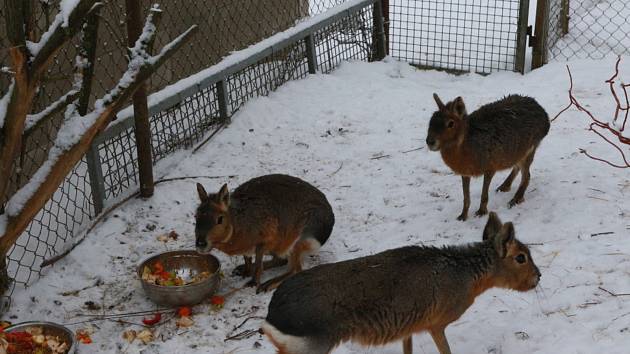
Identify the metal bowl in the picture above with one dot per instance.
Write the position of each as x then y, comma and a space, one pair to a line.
49, 329
186, 264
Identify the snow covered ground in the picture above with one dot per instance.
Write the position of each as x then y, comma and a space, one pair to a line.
350, 133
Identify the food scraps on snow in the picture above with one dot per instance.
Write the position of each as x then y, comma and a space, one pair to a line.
159, 276
217, 301
32, 341
168, 237
83, 336
146, 336
153, 320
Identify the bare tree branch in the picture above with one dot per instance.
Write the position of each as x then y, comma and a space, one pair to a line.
34, 121
600, 124
70, 146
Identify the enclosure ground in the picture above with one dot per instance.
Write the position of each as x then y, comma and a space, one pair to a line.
358, 134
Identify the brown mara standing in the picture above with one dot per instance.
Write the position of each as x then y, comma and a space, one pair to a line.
392, 295
499, 135
274, 214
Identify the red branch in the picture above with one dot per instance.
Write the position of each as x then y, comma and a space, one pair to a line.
599, 124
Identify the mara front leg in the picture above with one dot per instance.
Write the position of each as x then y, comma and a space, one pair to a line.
440, 340
466, 189
258, 267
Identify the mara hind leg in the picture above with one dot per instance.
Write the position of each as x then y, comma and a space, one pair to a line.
303, 246
507, 184
246, 269
483, 207
524, 165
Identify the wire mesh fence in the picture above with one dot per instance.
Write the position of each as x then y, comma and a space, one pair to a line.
481, 36
587, 29
227, 26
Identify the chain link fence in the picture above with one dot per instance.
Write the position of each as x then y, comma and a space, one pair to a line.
110, 169
586, 29
460, 35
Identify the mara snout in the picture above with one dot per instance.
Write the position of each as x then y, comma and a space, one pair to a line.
390, 296
498, 136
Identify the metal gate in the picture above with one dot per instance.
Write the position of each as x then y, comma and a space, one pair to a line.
460, 35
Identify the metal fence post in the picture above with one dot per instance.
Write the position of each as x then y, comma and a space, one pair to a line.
311, 54
222, 97
378, 32
97, 183
521, 36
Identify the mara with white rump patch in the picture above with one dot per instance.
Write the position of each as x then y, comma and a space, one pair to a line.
390, 296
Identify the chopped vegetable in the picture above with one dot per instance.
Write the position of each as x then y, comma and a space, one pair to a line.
31, 341
184, 311
146, 336
217, 301
129, 335
159, 276
83, 336
184, 321
152, 321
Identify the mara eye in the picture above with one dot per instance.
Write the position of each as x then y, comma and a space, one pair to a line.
220, 220
521, 258
450, 124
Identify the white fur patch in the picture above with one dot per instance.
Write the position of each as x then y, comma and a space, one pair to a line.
292, 344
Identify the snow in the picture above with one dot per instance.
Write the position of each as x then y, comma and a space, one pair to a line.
4, 103
65, 9
328, 129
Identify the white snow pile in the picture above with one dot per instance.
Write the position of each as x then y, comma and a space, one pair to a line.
358, 134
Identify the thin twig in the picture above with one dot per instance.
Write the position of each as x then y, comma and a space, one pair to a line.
337, 170
416, 149
613, 294
243, 335
379, 157
602, 233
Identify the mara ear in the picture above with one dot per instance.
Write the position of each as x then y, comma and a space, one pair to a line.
459, 107
439, 102
202, 192
492, 226
223, 196
504, 239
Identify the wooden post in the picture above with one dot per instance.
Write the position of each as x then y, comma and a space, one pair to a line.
140, 107
539, 50
565, 17
521, 36
385, 6
378, 32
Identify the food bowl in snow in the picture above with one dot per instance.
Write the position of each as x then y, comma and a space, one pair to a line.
180, 278
40, 337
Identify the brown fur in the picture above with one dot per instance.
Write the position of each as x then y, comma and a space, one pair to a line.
278, 215
498, 136
392, 295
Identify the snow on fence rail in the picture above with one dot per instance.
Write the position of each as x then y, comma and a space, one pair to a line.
183, 113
